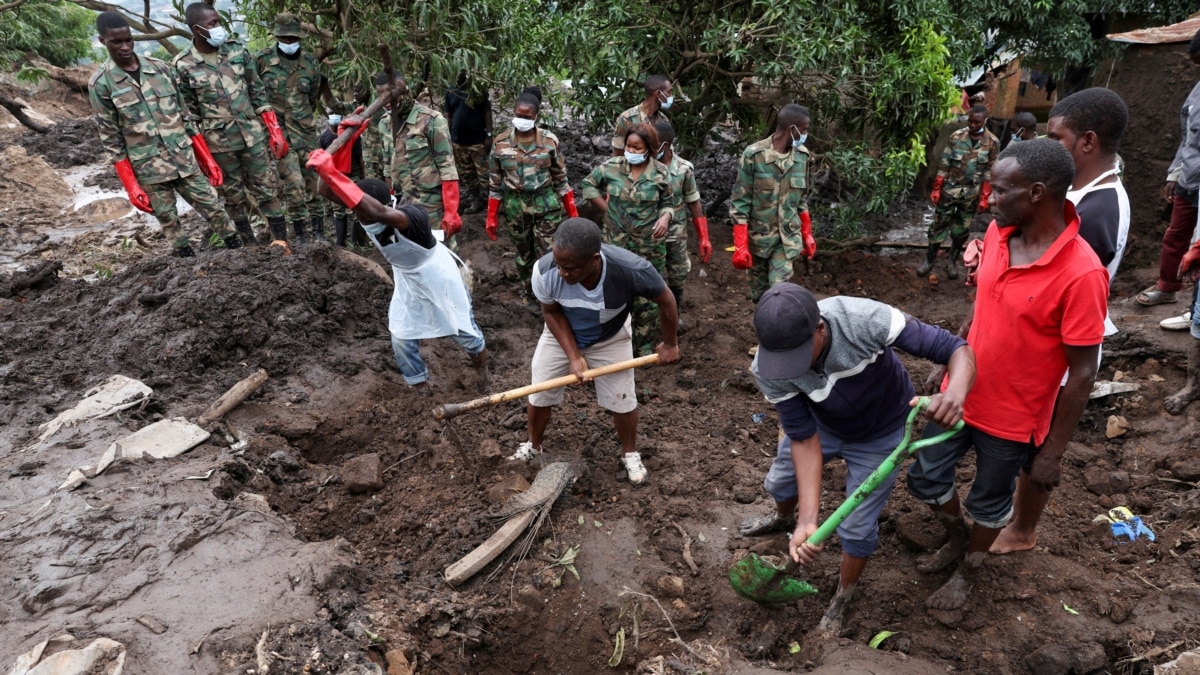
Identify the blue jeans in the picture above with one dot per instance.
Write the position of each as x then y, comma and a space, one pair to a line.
408, 354
1196, 310
859, 532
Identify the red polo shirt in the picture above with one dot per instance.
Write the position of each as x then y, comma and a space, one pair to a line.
1024, 315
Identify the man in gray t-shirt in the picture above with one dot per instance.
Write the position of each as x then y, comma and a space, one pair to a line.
586, 290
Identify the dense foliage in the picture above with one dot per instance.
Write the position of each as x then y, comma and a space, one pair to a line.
59, 32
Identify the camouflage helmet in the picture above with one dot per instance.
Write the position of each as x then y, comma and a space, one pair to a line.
288, 25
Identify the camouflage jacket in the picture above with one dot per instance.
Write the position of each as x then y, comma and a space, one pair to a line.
629, 119
965, 163
293, 87
633, 206
769, 196
377, 146
224, 94
145, 122
515, 168
682, 177
422, 157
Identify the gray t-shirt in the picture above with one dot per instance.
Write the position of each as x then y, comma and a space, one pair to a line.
596, 315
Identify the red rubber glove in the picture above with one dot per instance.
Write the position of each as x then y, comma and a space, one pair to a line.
345, 189
493, 218
343, 159
936, 195
275, 139
1190, 259
741, 247
137, 196
701, 225
985, 194
810, 244
568, 202
451, 221
208, 165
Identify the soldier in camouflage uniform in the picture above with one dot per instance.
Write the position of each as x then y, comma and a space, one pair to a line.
222, 90
685, 200
149, 139
637, 213
771, 225
658, 98
470, 116
528, 180
423, 168
293, 82
962, 188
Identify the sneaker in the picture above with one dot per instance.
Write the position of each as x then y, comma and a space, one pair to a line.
1181, 322
526, 452
634, 467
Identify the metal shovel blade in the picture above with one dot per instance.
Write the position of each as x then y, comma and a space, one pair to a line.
759, 580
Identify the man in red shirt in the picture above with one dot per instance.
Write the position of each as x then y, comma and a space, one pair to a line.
1039, 311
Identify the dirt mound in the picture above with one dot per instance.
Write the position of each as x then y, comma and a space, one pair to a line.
69, 143
172, 322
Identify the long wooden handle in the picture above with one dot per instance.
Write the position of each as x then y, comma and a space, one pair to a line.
344, 137
451, 410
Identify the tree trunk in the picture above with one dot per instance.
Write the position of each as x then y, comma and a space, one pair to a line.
17, 108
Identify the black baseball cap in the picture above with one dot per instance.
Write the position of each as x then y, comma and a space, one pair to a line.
786, 317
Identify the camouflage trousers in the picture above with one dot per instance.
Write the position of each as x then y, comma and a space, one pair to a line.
249, 175
953, 217
768, 271
679, 264
645, 312
471, 162
298, 185
196, 191
532, 221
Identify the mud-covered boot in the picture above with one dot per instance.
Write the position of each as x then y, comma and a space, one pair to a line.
301, 235
930, 256
956, 249
474, 203
184, 251
278, 228
339, 231
480, 363
232, 241
359, 235
318, 228
245, 231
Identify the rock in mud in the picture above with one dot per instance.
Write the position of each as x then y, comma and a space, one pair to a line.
1057, 659
671, 586
507, 487
1188, 470
363, 474
1117, 426
397, 663
1102, 482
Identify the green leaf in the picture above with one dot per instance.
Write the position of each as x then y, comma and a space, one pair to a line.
618, 649
794, 648
879, 638
1069, 610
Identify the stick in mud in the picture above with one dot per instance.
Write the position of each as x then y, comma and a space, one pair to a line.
233, 398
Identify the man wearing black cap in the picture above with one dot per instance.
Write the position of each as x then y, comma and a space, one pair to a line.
840, 391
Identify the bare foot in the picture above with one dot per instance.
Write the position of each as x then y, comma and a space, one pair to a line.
1177, 402
766, 525
834, 615
953, 549
953, 594
1011, 541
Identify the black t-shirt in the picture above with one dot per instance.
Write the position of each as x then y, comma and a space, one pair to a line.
467, 117
418, 230
1100, 222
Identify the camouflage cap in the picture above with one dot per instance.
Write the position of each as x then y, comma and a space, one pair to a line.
288, 25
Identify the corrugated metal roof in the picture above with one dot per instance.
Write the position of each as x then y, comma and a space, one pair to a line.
1176, 32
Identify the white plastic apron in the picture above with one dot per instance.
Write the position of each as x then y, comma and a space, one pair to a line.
1074, 196
430, 299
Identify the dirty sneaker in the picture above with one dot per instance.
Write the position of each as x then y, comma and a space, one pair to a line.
524, 453
634, 467
1181, 322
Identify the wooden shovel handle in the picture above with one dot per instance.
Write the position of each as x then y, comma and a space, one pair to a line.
452, 410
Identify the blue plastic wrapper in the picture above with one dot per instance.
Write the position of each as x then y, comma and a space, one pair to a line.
758, 417
1132, 528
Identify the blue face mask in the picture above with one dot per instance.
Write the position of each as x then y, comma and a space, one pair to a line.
666, 105
289, 48
1016, 138
376, 229
635, 158
798, 141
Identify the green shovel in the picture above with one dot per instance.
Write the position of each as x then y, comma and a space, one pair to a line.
761, 581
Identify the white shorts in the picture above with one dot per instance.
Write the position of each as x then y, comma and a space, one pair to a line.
616, 393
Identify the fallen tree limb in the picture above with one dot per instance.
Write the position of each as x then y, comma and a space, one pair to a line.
17, 108
233, 398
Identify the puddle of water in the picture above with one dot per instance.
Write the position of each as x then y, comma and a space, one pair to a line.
909, 233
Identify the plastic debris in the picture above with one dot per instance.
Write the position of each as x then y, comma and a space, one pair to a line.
114, 395
758, 417
1124, 524
879, 638
1069, 610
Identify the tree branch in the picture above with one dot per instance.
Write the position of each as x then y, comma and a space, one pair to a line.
17, 108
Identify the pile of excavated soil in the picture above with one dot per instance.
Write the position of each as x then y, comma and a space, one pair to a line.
68, 143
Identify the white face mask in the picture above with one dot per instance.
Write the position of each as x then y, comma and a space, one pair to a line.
216, 36
334, 121
522, 124
375, 229
289, 48
798, 140
635, 158
666, 105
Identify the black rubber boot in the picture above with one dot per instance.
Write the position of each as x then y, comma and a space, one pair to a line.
232, 241
339, 231
318, 228
245, 231
678, 293
956, 249
278, 228
301, 235
360, 235
184, 251
475, 203
930, 257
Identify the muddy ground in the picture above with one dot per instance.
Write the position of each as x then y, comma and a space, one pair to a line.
273, 540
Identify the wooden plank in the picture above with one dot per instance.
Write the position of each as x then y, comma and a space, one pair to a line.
488, 551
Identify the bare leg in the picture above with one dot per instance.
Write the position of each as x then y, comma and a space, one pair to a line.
950, 516
1176, 402
626, 424
537, 419
954, 593
1021, 533
852, 568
